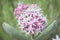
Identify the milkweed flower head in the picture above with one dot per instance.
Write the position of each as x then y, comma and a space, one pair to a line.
31, 20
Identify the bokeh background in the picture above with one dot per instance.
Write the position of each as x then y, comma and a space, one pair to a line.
51, 9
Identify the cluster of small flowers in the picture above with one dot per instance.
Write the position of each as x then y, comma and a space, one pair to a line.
30, 18
20, 9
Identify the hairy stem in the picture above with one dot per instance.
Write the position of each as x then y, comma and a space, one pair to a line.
32, 37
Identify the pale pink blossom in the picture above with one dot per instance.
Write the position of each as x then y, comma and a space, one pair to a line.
31, 20
20, 8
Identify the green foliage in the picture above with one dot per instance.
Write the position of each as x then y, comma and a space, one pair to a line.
13, 32
50, 29
51, 9
17, 34
8, 13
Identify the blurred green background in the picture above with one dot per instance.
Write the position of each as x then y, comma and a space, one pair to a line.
51, 9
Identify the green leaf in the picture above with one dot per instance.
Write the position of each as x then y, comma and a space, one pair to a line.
13, 32
47, 31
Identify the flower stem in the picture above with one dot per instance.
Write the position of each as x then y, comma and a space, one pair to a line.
32, 37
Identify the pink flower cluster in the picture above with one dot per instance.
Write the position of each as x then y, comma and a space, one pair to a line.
20, 9
30, 18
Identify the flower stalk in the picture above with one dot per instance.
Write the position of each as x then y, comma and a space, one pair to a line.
32, 37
